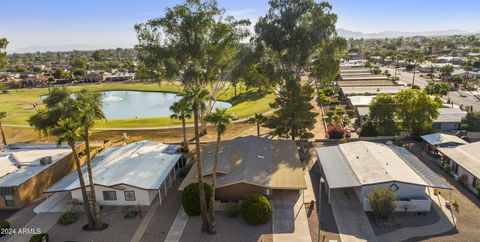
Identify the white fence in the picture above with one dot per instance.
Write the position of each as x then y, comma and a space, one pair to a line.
412, 205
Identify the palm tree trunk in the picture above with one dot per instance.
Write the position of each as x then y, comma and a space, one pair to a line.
414, 69
95, 207
201, 187
184, 133
203, 123
86, 207
4, 140
258, 128
214, 183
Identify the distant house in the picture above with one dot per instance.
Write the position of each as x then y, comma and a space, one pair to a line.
27, 170
120, 76
371, 90
133, 174
93, 76
251, 165
361, 105
437, 140
34, 80
363, 166
464, 163
449, 119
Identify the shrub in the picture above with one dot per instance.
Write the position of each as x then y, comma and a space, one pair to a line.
256, 209
382, 201
368, 129
191, 198
67, 218
478, 191
350, 112
232, 210
335, 132
330, 114
4, 225
184, 170
39, 237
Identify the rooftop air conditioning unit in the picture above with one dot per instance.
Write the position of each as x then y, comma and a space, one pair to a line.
45, 160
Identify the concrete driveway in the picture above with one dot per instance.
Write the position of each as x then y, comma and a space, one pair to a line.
352, 222
289, 218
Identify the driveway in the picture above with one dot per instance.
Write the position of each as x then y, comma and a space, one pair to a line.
289, 219
352, 222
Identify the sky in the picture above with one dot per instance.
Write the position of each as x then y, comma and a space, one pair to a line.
32, 25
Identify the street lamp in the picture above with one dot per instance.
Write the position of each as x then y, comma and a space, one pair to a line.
319, 204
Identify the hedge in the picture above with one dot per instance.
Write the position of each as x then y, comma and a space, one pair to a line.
67, 218
39, 237
191, 198
256, 209
4, 225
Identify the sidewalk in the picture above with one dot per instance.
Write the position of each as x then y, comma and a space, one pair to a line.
289, 218
43, 221
178, 226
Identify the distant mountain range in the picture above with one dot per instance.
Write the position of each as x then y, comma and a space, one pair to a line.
395, 34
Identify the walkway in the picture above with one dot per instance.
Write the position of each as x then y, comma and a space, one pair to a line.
43, 221
352, 222
146, 221
56, 203
289, 219
177, 227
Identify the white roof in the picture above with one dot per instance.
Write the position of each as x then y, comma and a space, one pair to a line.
372, 90
439, 139
143, 164
467, 156
361, 100
375, 163
20, 162
450, 115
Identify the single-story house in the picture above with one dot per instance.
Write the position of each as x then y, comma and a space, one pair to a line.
92, 76
361, 105
437, 140
251, 164
464, 161
133, 174
449, 119
34, 80
371, 90
27, 170
364, 166
120, 76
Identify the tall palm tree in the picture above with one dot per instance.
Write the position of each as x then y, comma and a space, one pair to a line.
2, 116
468, 68
197, 97
182, 110
258, 119
220, 118
61, 121
397, 57
418, 58
89, 106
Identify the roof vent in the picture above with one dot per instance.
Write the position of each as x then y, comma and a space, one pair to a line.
357, 157
261, 156
45, 160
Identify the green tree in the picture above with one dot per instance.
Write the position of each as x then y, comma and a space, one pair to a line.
2, 116
182, 110
293, 116
418, 59
383, 202
220, 118
3, 53
382, 114
89, 109
471, 122
326, 67
446, 72
60, 119
437, 88
59, 73
258, 119
416, 111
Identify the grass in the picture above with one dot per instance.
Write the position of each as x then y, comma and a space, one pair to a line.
19, 103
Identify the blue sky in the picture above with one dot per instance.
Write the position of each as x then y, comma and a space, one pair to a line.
109, 23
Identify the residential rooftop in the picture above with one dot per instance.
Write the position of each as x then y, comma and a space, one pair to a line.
467, 156
440, 139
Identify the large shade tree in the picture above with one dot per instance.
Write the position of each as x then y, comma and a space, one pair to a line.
192, 44
293, 33
382, 114
3, 53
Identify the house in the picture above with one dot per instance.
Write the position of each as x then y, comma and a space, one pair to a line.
434, 141
92, 76
120, 76
464, 164
27, 170
449, 119
371, 90
251, 164
363, 166
133, 174
34, 80
361, 105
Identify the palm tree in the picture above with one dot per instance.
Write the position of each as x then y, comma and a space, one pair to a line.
220, 118
468, 68
89, 106
182, 110
257, 119
197, 97
418, 58
2, 116
397, 57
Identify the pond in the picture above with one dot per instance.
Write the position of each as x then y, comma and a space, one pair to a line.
136, 104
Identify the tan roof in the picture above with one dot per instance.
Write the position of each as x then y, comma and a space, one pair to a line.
254, 160
467, 156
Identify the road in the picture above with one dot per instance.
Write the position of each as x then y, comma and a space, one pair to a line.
465, 98
407, 77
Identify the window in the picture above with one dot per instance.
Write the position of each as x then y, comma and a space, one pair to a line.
109, 195
129, 195
455, 168
9, 201
475, 182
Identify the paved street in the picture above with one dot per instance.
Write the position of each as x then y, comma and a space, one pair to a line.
466, 98
407, 77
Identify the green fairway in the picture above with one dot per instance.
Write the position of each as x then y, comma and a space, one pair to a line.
19, 103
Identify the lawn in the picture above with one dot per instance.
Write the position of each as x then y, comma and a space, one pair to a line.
19, 103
